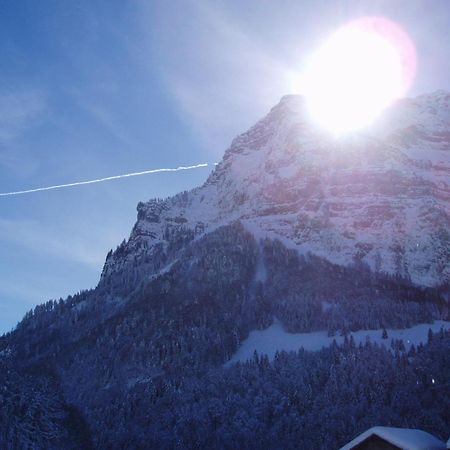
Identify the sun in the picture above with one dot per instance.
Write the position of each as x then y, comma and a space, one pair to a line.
359, 71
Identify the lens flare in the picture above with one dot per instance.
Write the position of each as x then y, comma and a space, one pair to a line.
358, 72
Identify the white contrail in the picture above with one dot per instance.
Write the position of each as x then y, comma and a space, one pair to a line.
100, 180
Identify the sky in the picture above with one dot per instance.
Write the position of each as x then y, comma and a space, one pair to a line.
92, 89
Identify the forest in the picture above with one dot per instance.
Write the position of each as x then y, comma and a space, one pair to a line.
104, 369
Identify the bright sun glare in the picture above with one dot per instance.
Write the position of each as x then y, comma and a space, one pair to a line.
357, 73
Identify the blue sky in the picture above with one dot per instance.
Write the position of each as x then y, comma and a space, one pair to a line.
96, 88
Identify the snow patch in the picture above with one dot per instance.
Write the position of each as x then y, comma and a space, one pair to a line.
275, 338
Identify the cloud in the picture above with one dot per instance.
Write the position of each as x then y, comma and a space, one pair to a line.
18, 110
77, 248
221, 77
24, 293
97, 100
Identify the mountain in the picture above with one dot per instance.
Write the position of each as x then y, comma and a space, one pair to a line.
294, 225
380, 197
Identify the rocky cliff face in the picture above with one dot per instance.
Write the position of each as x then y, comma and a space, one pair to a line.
379, 197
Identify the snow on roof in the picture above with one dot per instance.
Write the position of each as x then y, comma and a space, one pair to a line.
448, 443
405, 438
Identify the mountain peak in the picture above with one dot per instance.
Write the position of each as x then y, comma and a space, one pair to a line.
379, 197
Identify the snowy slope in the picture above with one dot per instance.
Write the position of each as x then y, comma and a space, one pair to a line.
381, 196
275, 338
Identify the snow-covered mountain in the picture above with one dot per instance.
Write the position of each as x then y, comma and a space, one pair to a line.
380, 196
147, 358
